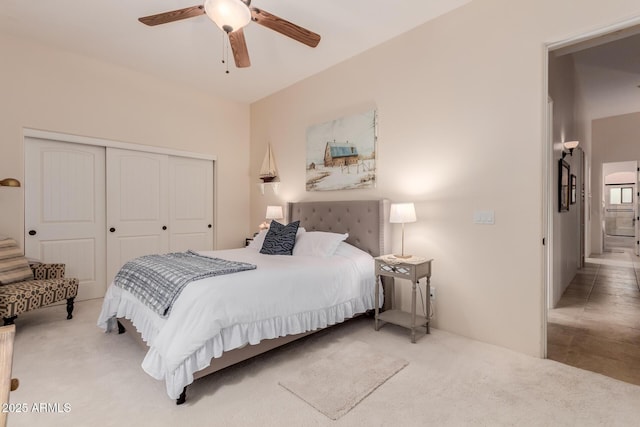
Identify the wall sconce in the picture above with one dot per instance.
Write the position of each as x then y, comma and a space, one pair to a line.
401, 213
569, 145
273, 212
9, 182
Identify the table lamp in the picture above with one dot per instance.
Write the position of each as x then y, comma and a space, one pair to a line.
402, 213
273, 212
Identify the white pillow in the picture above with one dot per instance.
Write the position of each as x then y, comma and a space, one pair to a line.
318, 243
258, 239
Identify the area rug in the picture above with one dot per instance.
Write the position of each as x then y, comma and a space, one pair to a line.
336, 383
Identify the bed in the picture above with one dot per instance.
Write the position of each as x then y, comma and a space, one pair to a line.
285, 298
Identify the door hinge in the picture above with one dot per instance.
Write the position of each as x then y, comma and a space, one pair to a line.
543, 241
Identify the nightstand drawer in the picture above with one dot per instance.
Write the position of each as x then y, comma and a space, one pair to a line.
398, 271
403, 270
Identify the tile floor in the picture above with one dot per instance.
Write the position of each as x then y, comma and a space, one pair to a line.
596, 325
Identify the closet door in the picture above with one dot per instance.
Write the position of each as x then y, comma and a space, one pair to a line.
137, 206
65, 211
190, 204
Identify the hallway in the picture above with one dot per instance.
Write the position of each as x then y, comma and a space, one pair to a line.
596, 325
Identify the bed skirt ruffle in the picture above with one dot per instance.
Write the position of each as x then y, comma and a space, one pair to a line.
116, 305
237, 336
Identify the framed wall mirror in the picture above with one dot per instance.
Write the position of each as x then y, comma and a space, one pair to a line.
563, 186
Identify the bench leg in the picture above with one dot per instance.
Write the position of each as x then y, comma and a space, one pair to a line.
121, 328
70, 307
9, 320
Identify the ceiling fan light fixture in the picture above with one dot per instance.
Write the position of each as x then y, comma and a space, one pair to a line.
228, 15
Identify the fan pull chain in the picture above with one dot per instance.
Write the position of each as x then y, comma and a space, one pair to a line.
227, 57
223, 61
225, 52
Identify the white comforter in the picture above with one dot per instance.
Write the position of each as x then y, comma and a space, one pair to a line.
285, 295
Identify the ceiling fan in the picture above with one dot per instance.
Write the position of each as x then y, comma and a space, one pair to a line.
231, 16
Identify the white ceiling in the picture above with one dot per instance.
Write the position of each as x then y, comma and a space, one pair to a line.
608, 73
190, 51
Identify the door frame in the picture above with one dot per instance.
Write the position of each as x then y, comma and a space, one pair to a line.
547, 218
547, 169
636, 210
88, 140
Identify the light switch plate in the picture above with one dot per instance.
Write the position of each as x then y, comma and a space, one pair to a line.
484, 217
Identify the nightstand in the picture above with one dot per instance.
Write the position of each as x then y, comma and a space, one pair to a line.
248, 240
412, 269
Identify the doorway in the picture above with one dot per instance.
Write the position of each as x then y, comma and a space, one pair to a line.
592, 325
619, 190
619, 218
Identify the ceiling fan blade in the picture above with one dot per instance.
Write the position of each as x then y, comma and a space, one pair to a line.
239, 48
174, 15
285, 27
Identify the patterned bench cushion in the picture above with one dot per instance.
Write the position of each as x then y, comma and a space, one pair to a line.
48, 271
19, 297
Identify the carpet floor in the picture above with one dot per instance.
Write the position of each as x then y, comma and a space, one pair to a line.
85, 377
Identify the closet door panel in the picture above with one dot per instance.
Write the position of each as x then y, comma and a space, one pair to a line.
131, 247
190, 204
137, 206
65, 210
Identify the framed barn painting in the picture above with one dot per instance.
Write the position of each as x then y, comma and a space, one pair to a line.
341, 154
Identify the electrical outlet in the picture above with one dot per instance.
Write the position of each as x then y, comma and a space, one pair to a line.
432, 293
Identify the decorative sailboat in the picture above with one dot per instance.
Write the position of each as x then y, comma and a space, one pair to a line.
268, 171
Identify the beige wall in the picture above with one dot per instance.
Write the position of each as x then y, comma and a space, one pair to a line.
566, 225
614, 139
47, 89
460, 102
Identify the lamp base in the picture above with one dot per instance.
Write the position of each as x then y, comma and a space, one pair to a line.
402, 256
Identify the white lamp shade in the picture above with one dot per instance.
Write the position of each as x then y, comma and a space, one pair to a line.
402, 213
274, 212
229, 15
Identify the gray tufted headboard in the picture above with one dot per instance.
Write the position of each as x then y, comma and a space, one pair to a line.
366, 221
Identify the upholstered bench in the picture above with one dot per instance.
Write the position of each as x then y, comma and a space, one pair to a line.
38, 285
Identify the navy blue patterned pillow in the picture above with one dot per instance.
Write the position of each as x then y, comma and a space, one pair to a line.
280, 239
